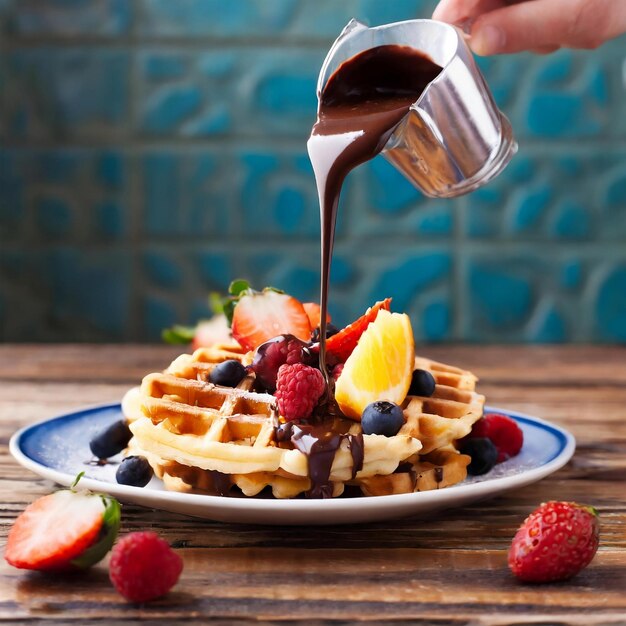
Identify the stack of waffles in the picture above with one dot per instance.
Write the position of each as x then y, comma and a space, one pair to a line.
204, 438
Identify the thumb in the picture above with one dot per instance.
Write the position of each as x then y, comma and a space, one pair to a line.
548, 24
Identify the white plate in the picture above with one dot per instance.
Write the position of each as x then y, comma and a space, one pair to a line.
58, 449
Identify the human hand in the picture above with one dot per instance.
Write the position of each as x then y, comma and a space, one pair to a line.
502, 26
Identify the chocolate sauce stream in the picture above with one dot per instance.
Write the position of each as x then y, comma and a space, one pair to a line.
360, 107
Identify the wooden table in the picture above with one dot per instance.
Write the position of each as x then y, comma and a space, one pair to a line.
447, 570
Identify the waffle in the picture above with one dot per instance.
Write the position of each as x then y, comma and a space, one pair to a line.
186, 421
449, 414
205, 438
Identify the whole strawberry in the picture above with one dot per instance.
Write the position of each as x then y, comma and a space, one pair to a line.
555, 542
298, 389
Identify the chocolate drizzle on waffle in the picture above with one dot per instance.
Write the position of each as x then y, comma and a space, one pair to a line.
320, 442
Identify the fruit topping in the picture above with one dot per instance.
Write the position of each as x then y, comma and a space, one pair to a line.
336, 371
64, 530
227, 373
340, 346
483, 454
134, 471
422, 384
502, 431
211, 332
314, 311
555, 542
110, 441
382, 418
272, 354
298, 389
144, 567
331, 330
259, 316
380, 366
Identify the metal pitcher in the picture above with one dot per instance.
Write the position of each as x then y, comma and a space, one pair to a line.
454, 138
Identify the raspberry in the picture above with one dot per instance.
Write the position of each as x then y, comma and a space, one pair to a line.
276, 352
144, 567
555, 542
502, 431
298, 388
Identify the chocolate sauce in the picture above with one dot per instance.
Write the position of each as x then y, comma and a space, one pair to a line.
438, 475
320, 442
360, 107
221, 482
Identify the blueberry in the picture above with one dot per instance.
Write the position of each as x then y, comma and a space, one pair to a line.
331, 330
483, 452
422, 384
227, 374
134, 471
111, 440
382, 418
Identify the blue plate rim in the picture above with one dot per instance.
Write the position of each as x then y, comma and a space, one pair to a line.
476, 490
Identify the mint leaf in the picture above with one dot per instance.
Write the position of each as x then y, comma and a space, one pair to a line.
238, 286
228, 309
178, 334
216, 302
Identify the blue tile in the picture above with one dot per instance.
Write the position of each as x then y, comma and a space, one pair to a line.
216, 270
68, 92
66, 194
91, 289
162, 270
277, 197
170, 107
551, 328
571, 274
530, 208
410, 276
157, 313
572, 222
71, 17
436, 321
186, 194
54, 217
500, 298
610, 306
214, 17
109, 220
377, 12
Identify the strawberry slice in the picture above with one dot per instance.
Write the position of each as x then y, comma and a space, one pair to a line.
64, 530
314, 311
260, 316
211, 332
340, 346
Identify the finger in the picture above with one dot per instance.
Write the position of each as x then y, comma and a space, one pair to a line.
458, 11
545, 49
548, 23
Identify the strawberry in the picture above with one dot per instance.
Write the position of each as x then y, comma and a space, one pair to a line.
211, 332
64, 530
260, 316
314, 311
555, 542
340, 346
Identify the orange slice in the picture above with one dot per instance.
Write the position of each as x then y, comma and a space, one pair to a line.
380, 367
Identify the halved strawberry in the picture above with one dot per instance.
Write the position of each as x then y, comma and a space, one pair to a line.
340, 346
314, 311
212, 331
259, 316
64, 530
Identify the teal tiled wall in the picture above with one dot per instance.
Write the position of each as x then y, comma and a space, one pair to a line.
151, 150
